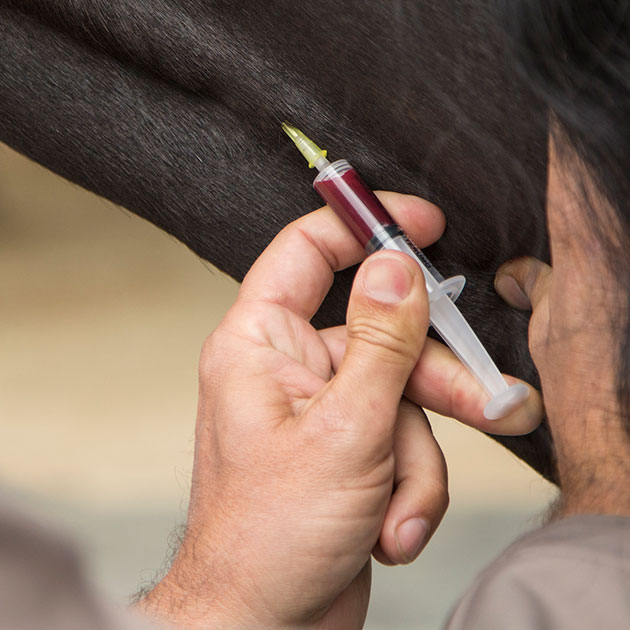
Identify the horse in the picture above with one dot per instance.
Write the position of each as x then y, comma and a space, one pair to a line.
173, 110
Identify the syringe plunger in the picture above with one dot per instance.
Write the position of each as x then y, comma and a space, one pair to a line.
344, 191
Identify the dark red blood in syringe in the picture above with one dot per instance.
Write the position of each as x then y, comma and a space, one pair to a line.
354, 203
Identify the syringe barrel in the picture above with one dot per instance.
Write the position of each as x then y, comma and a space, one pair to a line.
340, 186
344, 191
451, 325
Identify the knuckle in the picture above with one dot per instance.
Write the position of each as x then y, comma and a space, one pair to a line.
431, 494
381, 336
207, 350
436, 495
329, 416
335, 420
459, 393
334, 427
208, 358
214, 356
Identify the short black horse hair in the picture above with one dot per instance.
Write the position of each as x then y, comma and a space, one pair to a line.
172, 110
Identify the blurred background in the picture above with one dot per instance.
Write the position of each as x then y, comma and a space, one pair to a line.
102, 317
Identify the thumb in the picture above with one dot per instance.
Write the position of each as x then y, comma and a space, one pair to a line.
387, 321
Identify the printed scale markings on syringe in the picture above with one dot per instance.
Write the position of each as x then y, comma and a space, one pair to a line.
344, 191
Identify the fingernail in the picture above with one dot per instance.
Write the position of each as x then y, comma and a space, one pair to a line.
509, 290
387, 279
410, 537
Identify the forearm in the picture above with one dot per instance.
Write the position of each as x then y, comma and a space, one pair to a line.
196, 594
178, 607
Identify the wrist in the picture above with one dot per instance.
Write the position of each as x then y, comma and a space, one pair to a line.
177, 608
189, 597
174, 608
196, 594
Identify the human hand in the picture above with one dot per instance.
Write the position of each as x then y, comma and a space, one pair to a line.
306, 461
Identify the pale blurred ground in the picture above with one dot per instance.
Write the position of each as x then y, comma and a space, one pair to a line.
101, 320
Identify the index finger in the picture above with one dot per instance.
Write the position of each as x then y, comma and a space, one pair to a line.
296, 270
441, 383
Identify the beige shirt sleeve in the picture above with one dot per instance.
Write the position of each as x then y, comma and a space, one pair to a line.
573, 574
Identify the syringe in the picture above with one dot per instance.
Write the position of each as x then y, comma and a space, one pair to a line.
344, 191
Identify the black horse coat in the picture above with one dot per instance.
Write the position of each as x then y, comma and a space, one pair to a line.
172, 109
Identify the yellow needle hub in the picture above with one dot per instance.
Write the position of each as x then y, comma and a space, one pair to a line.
313, 154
